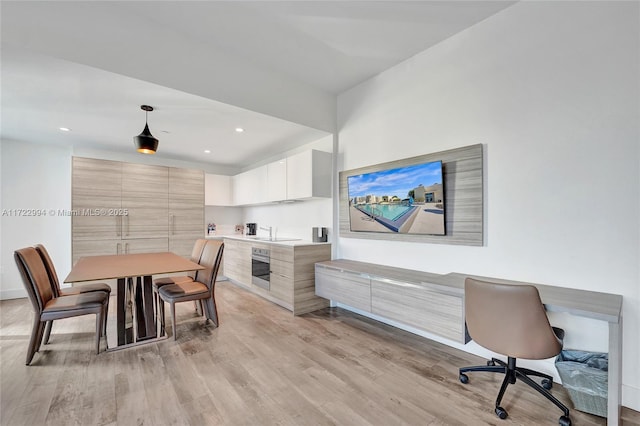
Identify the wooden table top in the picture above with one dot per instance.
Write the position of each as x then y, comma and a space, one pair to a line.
93, 268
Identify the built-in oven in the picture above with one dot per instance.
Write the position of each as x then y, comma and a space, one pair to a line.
260, 269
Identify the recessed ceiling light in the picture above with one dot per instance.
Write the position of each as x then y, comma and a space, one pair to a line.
65, 129
206, 151
239, 129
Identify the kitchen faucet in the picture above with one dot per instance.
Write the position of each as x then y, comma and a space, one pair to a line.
268, 229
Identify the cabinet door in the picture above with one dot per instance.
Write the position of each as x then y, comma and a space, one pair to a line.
96, 187
277, 180
145, 245
250, 187
281, 280
183, 246
82, 248
309, 175
186, 202
145, 194
419, 306
237, 261
352, 289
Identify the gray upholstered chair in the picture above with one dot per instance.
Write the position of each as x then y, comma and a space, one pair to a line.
47, 307
510, 320
203, 288
79, 289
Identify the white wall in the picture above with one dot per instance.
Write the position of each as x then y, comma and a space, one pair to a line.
34, 177
552, 91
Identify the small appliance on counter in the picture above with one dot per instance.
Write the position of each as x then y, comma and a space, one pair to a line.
319, 235
252, 228
211, 228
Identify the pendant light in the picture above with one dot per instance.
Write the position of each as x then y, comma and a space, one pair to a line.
145, 143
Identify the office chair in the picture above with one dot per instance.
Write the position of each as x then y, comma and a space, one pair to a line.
511, 320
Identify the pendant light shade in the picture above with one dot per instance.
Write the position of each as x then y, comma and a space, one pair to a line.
145, 143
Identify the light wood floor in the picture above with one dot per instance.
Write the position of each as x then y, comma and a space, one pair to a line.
262, 366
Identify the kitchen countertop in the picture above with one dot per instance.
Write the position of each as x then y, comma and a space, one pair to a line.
284, 242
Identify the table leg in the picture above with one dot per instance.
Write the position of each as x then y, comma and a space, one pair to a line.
120, 313
141, 328
148, 306
615, 373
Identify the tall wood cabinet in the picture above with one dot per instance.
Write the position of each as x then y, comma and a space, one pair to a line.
121, 208
186, 209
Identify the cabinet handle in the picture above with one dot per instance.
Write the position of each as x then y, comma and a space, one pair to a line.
126, 248
127, 220
172, 223
118, 225
118, 248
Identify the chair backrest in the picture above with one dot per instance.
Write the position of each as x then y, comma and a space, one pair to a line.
196, 253
210, 259
509, 319
34, 276
51, 270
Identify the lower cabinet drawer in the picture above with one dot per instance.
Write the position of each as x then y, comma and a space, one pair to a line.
420, 307
344, 287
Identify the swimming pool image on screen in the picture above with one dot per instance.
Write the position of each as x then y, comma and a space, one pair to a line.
407, 200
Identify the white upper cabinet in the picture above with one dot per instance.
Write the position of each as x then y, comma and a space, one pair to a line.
250, 187
277, 180
297, 177
309, 175
218, 190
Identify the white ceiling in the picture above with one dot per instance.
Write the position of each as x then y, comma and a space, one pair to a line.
82, 65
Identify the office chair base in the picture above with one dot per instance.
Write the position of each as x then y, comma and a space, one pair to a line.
512, 373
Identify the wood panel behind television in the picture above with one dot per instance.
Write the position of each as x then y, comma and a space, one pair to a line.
463, 200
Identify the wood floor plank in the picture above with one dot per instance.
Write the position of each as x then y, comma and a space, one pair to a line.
261, 366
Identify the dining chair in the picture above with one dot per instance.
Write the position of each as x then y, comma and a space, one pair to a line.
511, 320
203, 288
47, 307
79, 289
196, 253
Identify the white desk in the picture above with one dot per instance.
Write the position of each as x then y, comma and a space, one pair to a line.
600, 306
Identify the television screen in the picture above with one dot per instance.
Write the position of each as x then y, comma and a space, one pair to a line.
404, 200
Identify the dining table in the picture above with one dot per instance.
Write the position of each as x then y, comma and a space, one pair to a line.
136, 317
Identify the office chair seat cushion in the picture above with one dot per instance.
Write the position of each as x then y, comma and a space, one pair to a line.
183, 289
85, 288
76, 301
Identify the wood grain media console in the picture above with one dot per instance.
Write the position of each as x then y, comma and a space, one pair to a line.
435, 303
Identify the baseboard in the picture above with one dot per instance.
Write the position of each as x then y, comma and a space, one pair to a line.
18, 293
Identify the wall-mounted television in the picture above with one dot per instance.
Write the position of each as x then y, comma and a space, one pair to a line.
402, 200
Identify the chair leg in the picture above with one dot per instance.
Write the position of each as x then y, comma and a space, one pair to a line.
543, 391
507, 380
173, 320
47, 332
534, 373
34, 341
211, 310
40, 336
106, 315
99, 328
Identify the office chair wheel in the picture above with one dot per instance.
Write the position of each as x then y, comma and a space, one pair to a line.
547, 384
464, 378
491, 363
564, 421
501, 412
